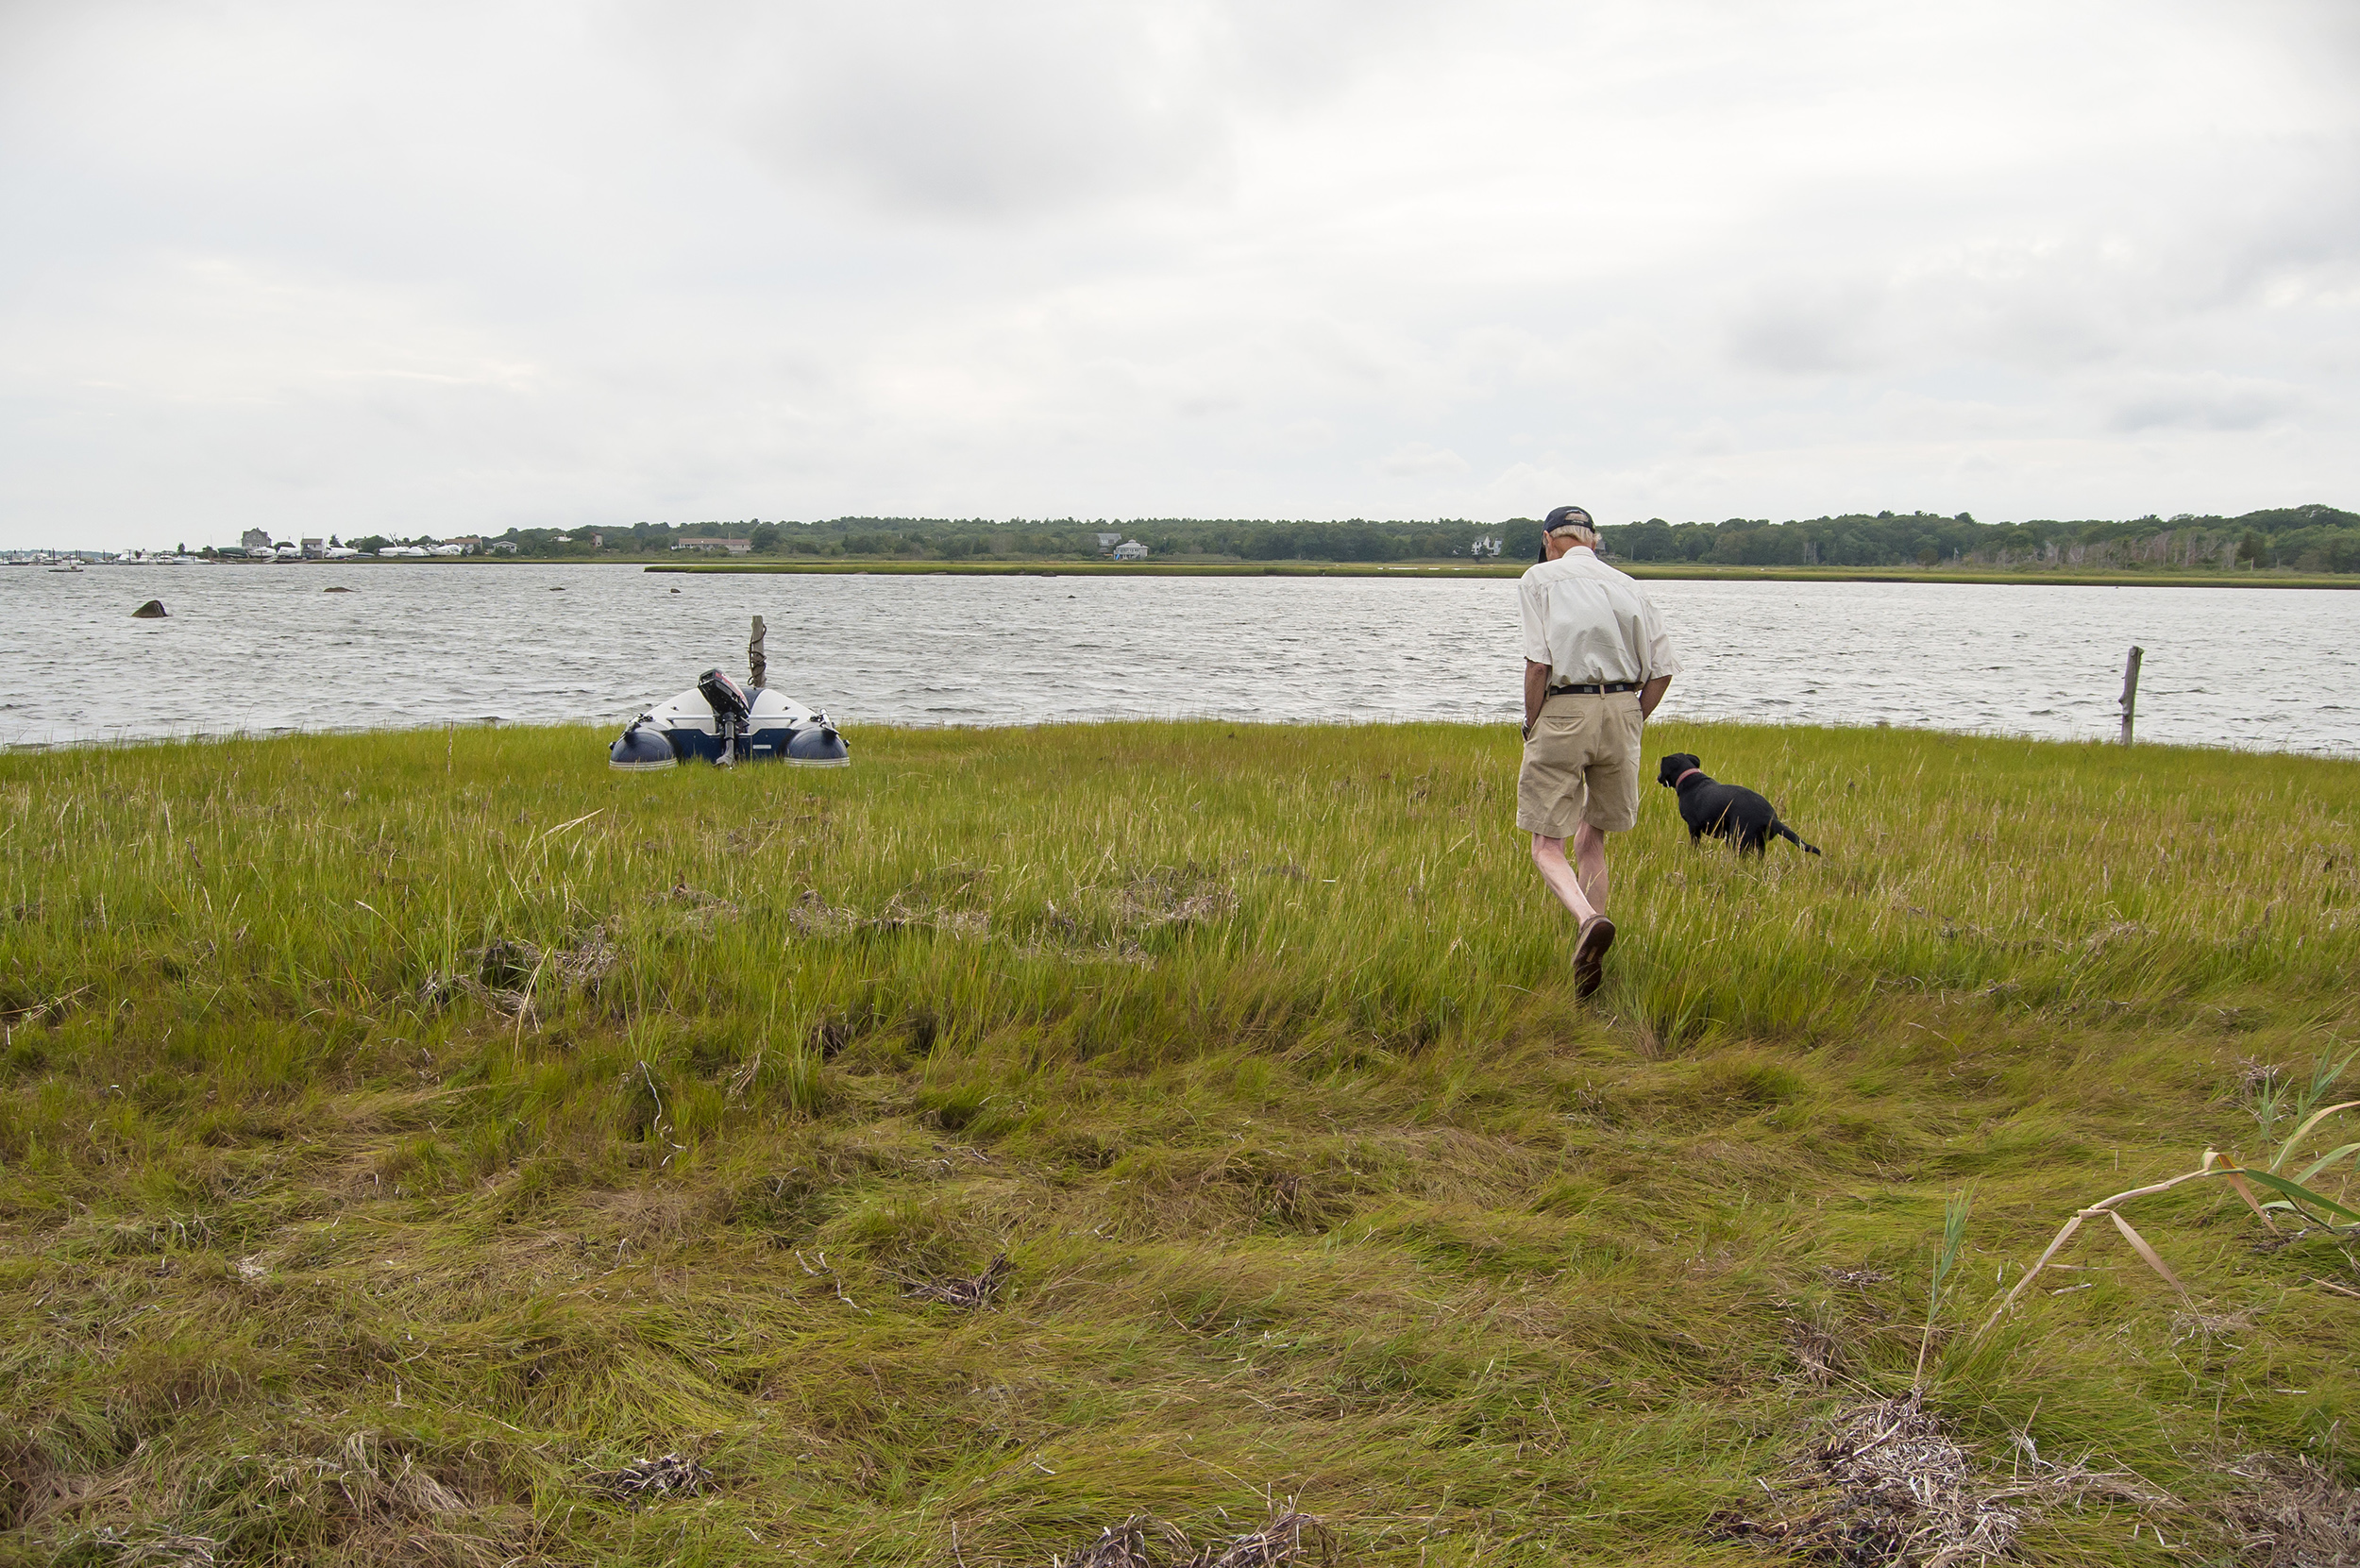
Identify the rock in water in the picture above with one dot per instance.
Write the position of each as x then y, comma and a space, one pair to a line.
152, 610
335, 590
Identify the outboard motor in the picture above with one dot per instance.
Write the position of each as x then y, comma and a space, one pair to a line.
731, 707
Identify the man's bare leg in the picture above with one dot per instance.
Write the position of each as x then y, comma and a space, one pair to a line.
1590, 865
1550, 855
1580, 886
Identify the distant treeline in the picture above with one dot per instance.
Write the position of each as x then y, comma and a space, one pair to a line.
1352, 540
959, 538
2303, 538
1254, 539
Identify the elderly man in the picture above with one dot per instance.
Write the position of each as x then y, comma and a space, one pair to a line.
1596, 662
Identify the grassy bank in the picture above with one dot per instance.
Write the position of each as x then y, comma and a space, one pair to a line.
2164, 577
401, 1137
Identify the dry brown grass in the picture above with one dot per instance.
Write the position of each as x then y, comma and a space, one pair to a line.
2293, 1515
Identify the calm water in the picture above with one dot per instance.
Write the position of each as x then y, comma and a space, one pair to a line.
264, 649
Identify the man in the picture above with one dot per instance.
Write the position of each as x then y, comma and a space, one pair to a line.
1596, 662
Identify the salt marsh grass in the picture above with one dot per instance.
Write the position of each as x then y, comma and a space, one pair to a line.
398, 1132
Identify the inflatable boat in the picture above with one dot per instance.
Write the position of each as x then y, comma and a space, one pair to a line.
719, 720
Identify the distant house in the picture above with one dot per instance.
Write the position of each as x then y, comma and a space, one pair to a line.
1107, 542
468, 545
255, 541
1129, 549
315, 548
504, 546
733, 546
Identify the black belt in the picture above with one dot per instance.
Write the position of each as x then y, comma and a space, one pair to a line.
1594, 688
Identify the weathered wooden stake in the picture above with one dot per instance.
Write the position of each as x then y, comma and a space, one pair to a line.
2130, 689
756, 666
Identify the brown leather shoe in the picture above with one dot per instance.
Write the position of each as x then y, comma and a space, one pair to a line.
1598, 934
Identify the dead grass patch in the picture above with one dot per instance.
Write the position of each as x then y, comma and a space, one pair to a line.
1890, 1485
929, 904
969, 1291
1107, 923
512, 962
149, 1548
1145, 1542
1887, 1485
644, 1215
1820, 1354
643, 1481
506, 972
1174, 895
2296, 1515
696, 910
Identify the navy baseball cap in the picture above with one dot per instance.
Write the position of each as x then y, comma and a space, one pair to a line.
1563, 516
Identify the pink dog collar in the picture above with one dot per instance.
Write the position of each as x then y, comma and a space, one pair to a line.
1685, 777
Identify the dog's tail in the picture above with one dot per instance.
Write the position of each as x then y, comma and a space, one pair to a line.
1784, 832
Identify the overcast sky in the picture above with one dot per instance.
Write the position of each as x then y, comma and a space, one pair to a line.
443, 268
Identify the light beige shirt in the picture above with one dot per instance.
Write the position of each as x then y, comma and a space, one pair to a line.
1589, 622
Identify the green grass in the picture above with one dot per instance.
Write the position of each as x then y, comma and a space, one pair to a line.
1253, 1049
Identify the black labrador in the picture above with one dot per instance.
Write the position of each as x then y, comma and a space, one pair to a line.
1725, 811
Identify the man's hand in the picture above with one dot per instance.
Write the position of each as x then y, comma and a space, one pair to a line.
1651, 694
1536, 693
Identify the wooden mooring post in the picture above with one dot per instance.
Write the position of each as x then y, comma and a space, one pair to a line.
757, 666
2130, 689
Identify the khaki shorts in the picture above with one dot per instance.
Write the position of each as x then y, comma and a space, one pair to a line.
1581, 766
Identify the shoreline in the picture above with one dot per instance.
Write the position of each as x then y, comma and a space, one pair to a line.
1474, 729
1424, 572
1419, 571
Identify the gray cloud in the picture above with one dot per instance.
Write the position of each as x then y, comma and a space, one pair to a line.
2210, 401
523, 263
1422, 460
1809, 327
1009, 110
981, 112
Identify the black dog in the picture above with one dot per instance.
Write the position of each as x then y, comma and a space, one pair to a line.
1725, 811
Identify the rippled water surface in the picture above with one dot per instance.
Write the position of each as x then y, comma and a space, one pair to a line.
265, 648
